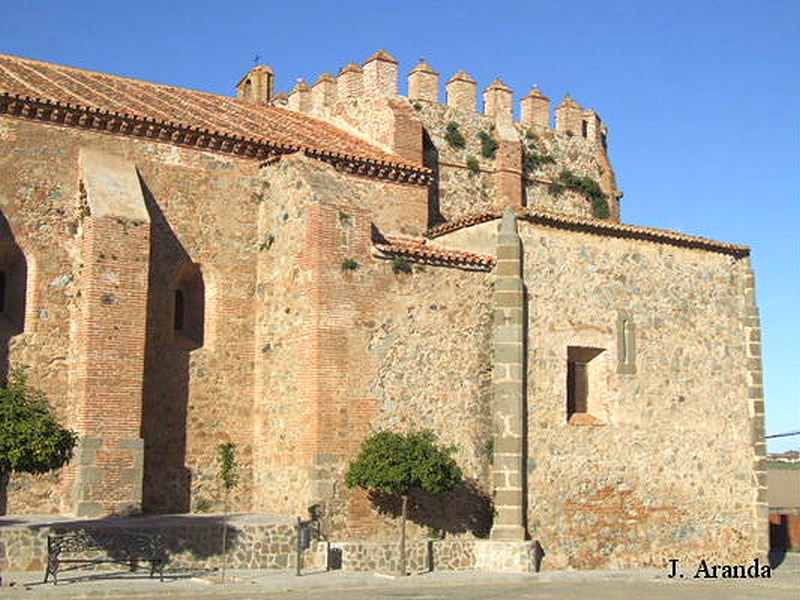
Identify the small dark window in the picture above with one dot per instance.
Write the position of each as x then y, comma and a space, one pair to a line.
577, 387
180, 307
2, 291
585, 129
604, 141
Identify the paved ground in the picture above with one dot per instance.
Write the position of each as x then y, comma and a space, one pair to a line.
246, 585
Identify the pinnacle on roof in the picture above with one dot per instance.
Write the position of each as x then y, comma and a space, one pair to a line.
498, 84
569, 101
423, 67
382, 55
351, 68
280, 98
461, 76
301, 86
326, 77
536, 93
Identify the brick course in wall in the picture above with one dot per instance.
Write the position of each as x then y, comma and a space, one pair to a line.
296, 356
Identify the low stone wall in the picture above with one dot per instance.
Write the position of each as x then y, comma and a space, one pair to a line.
193, 541
437, 555
379, 557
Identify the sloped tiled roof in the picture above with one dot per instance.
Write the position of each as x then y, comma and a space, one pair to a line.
419, 250
596, 226
35, 89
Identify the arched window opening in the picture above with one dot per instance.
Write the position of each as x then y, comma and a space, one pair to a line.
188, 312
13, 284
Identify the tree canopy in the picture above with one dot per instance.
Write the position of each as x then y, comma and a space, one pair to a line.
394, 462
31, 440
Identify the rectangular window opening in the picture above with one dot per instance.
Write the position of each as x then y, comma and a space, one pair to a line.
585, 395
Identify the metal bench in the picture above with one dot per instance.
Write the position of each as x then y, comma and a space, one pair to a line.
121, 547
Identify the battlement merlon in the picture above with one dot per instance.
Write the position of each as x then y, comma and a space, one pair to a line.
378, 77
364, 100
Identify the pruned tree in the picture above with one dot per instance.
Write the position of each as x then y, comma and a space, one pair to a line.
229, 477
398, 463
31, 440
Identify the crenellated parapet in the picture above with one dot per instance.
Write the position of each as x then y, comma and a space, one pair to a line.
569, 116
300, 97
514, 152
423, 83
349, 83
498, 100
462, 92
378, 77
535, 109
323, 93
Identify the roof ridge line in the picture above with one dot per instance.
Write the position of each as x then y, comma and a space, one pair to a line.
545, 217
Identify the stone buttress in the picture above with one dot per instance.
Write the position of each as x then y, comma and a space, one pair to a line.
107, 387
509, 402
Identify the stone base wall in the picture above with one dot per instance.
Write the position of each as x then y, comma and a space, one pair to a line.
438, 555
193, 542
258, 542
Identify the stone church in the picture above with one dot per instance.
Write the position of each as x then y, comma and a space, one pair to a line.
290, 272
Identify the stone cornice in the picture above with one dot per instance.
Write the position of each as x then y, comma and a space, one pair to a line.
106, 121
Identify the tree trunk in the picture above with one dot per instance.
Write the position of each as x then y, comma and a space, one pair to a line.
224, 535
403, 536
5, 477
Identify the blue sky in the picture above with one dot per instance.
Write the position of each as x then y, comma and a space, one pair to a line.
701, 97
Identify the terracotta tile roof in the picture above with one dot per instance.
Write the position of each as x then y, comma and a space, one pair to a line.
102, 95
598, 227
420, 250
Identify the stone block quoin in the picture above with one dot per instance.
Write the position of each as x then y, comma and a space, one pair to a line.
507, 384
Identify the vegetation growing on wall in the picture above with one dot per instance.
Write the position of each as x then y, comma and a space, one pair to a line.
473, 165
349, 264
532, 161
532, 158
488, 144
229, 477
589, 188
267, 243
400, 264
453, 136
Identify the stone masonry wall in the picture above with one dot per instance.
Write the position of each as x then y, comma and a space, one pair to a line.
663, 467
203, 211
192, 543
343, 352
462, 191
309, 406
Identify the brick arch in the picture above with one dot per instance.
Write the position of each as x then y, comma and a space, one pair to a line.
17, 306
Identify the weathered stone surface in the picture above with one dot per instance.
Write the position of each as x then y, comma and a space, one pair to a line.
296, 358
